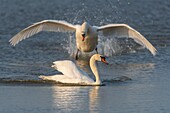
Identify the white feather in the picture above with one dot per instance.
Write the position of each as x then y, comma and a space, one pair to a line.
91, 39
46, 25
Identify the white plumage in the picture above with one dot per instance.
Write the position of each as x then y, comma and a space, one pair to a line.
73, 75
86, 35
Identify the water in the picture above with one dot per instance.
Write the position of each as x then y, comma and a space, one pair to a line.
21, 91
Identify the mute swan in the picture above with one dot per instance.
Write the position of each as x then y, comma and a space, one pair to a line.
86, 35
73, 75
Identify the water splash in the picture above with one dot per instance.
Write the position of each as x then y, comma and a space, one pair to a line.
107, 47
71, 46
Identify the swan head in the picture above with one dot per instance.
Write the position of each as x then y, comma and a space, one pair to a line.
103, 59
84, 29
100, 58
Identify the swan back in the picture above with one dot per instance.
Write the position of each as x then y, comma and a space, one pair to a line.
67, 67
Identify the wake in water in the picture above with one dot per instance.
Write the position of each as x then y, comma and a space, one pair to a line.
25, 80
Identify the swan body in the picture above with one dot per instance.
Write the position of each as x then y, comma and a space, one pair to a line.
90, 41
86, 35
73, 75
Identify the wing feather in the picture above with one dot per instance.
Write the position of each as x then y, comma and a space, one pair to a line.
46, 25
68, 68
123, 30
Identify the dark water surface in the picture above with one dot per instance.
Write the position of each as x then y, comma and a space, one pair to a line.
22, 92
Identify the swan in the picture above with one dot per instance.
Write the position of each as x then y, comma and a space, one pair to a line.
86, 35
73, 75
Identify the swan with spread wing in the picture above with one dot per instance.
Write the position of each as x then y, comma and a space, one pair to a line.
86, 35
73, 75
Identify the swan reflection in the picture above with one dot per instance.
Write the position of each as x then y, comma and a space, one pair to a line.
94, 99
69, 99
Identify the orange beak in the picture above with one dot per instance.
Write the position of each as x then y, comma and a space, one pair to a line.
104, 61
83, 38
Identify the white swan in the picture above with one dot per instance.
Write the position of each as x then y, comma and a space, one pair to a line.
86, 35
73, 75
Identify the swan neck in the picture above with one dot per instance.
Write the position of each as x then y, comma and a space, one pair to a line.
95, 70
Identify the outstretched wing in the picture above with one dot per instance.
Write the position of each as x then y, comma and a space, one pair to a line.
46, 25
123, 30
68, 68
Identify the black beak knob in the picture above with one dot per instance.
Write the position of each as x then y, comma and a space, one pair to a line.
83, 35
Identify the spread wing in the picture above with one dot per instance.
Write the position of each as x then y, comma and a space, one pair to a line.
68, 68
123, 30
46, 25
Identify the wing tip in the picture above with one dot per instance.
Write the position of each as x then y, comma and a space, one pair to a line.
12, 43
154, 52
